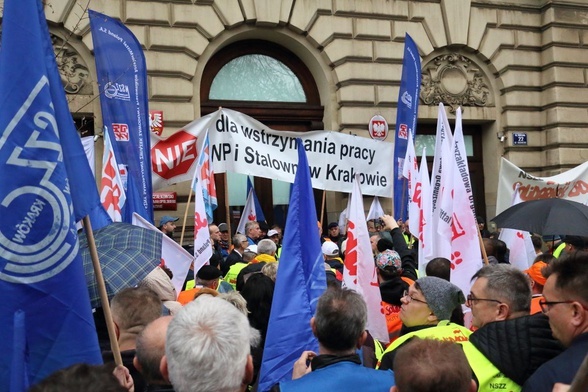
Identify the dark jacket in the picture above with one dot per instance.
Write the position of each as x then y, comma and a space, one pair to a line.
392, 290
562, 368
517, 347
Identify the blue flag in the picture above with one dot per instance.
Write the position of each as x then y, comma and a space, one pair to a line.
258, 210
300, 282
122, 79
406, 121
45, 186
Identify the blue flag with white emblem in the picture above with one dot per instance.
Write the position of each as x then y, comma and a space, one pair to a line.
122, 79
300, 282
406, 121
45, 186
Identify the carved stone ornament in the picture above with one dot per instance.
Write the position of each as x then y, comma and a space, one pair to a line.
456, 81
74, 72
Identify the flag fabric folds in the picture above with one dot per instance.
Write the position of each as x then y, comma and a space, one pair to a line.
422, 198
406, 121
258, 210
202, 245
300, 282
122, 79
410, 171
46, 185
207, 177
176, 258
112, 191
359, 271
251, 211
522, 251
376, 211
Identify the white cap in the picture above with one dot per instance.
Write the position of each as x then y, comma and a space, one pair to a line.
251, 248
330, 248
272, 233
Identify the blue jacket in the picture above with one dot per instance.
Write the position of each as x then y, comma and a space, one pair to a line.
562, 368
341, 377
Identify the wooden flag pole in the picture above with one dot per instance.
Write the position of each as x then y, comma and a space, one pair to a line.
228, 211
482, 248
323, 206
186, 217
102, 290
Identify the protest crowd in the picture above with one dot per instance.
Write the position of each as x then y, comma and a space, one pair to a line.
212, 338
439, 301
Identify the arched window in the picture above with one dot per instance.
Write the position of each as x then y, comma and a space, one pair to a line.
271, 84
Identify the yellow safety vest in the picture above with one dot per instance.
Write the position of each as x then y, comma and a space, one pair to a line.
559, 249
233, 273
489, 377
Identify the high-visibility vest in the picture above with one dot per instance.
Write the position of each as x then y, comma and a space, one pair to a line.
489, 377
559, 249
233, 273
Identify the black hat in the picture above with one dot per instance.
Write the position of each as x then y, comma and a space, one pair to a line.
333, 224
208, 272
576, 241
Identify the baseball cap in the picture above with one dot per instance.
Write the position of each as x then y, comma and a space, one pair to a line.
535, 272
330, 248
272, 233
223, 227
333, 224
166, 218
251, 248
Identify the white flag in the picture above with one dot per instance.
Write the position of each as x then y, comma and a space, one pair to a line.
443, 148
343, 216
376, 211
202, 244
112, 191
522, 251
423, 201
249, 213
410, 171
466, 258
174, 256
359, 272
88, 144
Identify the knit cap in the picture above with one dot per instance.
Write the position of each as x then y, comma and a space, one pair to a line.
441, 296
388, 258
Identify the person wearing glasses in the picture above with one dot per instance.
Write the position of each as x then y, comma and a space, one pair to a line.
426, 309
507, 337
565, 302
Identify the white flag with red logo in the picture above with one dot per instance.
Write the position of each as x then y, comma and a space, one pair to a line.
423, 201
359, 272
522, 251
466, 257
112, 192
410, 171
176, 258
249, 213
439, 177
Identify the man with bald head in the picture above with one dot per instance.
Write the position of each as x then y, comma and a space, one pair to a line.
150, 349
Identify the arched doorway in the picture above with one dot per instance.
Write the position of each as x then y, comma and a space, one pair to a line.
271, 84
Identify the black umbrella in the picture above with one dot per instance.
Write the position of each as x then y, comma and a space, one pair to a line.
127, 253
546, 217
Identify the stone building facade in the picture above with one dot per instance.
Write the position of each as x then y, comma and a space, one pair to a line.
515, 66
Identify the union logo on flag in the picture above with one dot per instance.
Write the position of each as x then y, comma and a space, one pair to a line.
121, 132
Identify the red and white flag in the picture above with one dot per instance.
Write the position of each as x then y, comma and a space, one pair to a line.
359, 272
423, 200
112, 192
410, 171
466, 256
176, 258
522, 251
249, 213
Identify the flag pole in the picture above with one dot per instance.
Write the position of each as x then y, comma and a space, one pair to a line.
323, 206
186, 217
228, 211
482, 248
102, 290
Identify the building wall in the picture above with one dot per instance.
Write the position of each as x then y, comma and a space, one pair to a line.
530, 57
